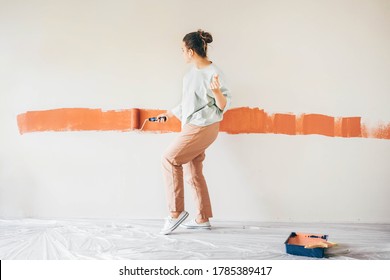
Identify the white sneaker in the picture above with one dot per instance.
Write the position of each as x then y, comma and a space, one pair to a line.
171, 224
192, 224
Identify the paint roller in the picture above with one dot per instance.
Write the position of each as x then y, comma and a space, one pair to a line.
153, 119
136, 114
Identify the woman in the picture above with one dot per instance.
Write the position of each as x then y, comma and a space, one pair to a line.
204, 101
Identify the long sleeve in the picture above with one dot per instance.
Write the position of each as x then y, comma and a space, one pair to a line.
177, 111
227, 94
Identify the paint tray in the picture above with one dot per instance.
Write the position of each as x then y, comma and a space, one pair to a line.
306, 244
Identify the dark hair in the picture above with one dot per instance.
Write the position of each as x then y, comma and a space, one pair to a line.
197, 41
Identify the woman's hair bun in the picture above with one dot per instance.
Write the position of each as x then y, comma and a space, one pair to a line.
205, 36
197, 41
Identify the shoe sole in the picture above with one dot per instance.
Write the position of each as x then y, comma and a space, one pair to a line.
176, 225
195, 227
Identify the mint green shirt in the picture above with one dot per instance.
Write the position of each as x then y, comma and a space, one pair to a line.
198, 106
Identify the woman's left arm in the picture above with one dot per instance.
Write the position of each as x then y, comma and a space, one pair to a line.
220, 99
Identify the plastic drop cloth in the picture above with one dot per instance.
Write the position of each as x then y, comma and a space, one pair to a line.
139, 239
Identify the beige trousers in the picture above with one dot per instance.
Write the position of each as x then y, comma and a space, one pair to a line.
188, 151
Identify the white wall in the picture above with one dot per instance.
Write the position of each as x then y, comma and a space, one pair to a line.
327, 57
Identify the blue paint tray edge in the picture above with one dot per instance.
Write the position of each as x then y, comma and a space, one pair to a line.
296, 242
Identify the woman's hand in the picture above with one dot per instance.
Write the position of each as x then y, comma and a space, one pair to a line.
220, 99
215, 85
164, 116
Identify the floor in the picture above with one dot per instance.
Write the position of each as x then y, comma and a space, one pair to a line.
139, 240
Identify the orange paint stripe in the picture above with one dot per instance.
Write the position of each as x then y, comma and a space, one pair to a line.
76, 119
79, 119
236, 120
244, 120
350, 127
318, 124
284, 124
381, 131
